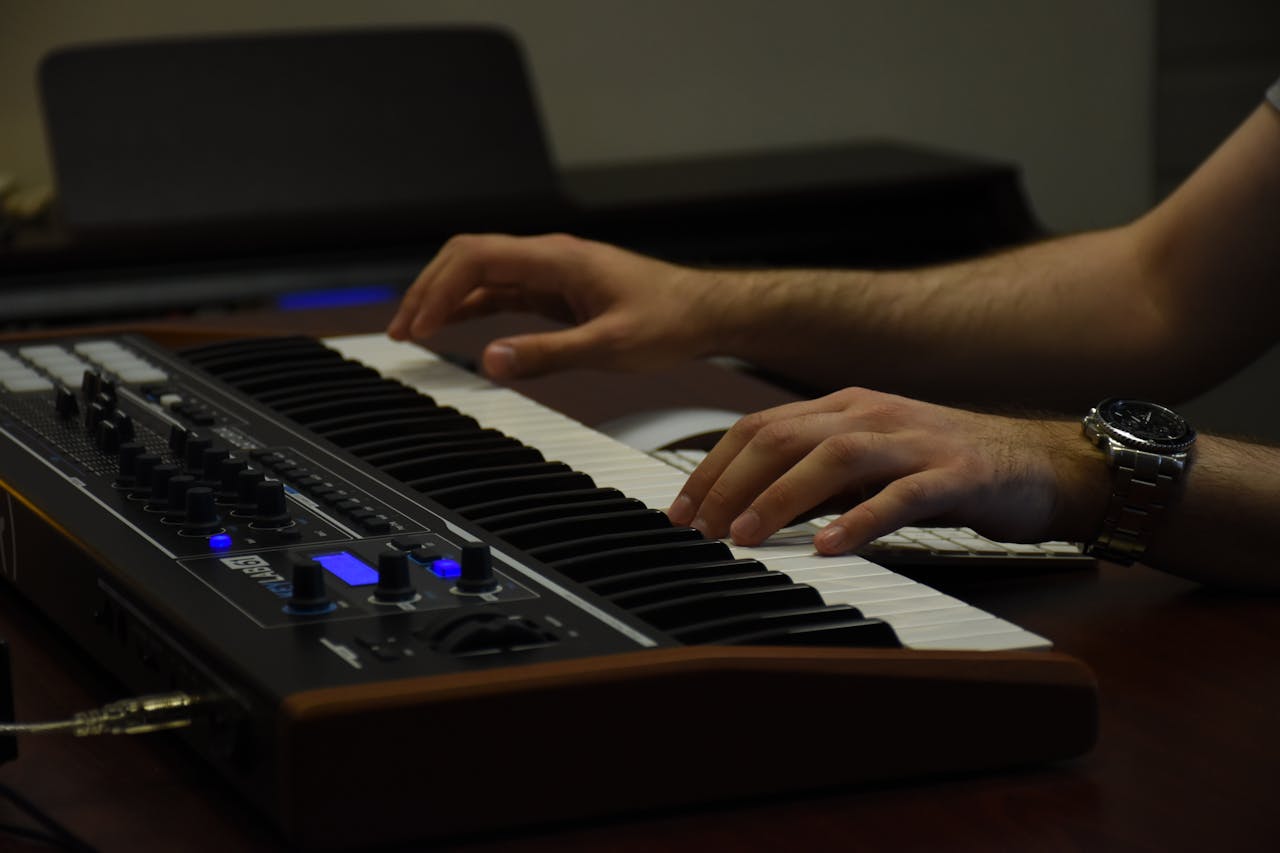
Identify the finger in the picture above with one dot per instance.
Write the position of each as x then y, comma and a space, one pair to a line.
773, 451
527, 356
399, 328
684, 509
475, 261
927, 494
842, 464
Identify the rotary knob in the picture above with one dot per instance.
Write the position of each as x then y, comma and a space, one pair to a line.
130, 453
158, 492
201, 513
176, 502
272, 508
65, 403
247, 491
193, 452
142, 467
228, 479
477, 576
394, 585
309, 594
106, 436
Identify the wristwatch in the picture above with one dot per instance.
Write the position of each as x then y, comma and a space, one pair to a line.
1148, 448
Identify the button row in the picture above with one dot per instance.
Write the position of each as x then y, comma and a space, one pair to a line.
352, 506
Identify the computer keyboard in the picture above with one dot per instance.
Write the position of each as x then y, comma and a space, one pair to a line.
928, 547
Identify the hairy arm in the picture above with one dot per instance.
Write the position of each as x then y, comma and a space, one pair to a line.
1160, 308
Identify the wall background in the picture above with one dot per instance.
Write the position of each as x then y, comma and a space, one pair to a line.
1104, 105
1061, 87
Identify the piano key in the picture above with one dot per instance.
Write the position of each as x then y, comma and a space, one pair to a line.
468, 461
875, 632
609, 543
284, 378
691, 586
554, 511
324, 391
709, 607
496, 474
449, 422
588, 568
544, 533
519, 503
617, 583
467, 494
310, 409
398, 451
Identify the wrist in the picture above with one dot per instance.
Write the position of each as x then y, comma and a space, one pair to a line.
1084, 484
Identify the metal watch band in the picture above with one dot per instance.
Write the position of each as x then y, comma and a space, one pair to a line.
1143, 484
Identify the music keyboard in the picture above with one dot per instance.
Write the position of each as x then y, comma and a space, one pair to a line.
410, 632
921, 616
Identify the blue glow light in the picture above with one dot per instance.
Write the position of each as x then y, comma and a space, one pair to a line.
220, 541
446, 568
337, 297
348, 568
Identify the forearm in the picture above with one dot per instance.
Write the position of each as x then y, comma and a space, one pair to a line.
1220, 529
1162, 308
1036, 325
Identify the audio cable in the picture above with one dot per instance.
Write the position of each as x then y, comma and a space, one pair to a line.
133, 716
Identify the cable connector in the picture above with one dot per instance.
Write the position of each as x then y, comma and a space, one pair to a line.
133, 716
138, 715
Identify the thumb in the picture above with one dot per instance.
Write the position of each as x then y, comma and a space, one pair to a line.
525, 356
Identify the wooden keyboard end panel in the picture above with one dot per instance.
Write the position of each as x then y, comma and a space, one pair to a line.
520, 746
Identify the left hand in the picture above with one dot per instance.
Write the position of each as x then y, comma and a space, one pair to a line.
888, 461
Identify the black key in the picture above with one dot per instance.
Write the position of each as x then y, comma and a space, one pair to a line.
336, 372
613, 584
620, 561
686, 587
442, 482
439, 421
850, 632
551, 511
233, 363
776, 622
467, 494
350, 401
610, 542
696, 609
262, 348
467, 461
317, 392
406, 448
555, 531
480, 511
358, 415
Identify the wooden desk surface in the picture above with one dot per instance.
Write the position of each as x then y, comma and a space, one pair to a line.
1187, 758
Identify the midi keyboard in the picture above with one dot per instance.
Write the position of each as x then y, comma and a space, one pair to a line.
426, 606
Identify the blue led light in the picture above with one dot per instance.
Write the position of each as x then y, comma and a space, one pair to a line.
446, 568
337, 297
349, 568
220, 541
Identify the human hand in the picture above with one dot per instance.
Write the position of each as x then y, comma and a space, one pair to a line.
888, 461
625, 311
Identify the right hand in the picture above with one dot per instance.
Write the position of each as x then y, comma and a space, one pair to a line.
625, 311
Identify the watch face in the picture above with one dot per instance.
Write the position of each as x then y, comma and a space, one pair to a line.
1146, 423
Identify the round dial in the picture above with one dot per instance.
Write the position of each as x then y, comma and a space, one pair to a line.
1139, 422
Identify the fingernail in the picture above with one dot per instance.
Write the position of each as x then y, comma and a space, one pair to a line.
500, 360
681, 510
699, 524
831, 539
744, 527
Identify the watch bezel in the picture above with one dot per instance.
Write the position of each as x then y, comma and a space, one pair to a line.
1101, 418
